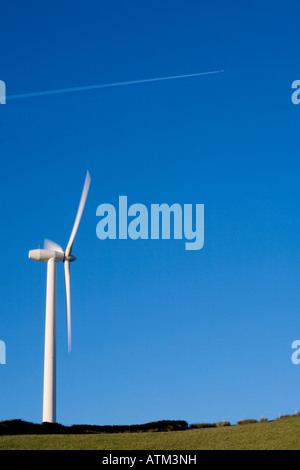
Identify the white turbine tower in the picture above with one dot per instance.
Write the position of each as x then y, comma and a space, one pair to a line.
52, 254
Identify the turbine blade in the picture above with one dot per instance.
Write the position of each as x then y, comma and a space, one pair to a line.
50, 245
79, 213
68, 298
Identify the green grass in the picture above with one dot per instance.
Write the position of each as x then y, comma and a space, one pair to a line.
281, 434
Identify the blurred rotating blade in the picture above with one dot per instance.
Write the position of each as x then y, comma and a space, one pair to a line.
68, 298
52, 246
79, 213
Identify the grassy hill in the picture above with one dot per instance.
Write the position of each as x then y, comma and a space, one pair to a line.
280, 434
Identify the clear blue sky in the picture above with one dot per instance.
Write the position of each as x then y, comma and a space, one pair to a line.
158, 332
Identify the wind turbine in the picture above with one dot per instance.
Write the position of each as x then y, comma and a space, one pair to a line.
52, 254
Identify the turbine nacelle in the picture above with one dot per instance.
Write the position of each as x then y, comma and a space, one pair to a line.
45, 255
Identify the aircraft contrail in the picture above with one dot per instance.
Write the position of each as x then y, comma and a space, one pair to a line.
104, 85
